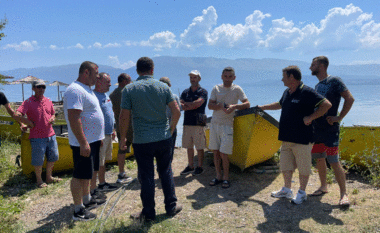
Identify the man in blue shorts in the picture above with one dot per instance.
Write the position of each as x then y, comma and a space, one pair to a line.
326, 128
85, 124
145, 101
299, 105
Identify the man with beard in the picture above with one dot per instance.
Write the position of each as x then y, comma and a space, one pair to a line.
326, 129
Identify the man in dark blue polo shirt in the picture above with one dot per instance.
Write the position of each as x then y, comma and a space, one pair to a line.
145, 101
326, 128
193, 102
300, 105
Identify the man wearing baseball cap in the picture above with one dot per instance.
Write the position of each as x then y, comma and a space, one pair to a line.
193, 102
40, 111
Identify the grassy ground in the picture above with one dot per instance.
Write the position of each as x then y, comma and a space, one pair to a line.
245, 207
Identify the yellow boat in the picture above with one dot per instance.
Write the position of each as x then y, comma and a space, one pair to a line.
359, 140
255, 137
10, 128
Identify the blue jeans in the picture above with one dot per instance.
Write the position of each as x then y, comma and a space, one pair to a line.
145, 153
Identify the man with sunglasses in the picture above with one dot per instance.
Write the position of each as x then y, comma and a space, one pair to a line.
40, 111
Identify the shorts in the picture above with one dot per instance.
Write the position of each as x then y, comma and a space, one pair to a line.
221, 138
44, 146
84, 167
320, 151
129, 143
194, 135
105, 152
295, 155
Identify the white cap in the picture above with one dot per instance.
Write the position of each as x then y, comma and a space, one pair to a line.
195, 72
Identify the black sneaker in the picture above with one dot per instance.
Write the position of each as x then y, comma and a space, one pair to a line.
187, 170
107, 187
198, 171
175, 210
83, 215
94, 203
98, 195
122, 179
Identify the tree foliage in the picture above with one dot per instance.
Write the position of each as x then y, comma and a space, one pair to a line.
2, 25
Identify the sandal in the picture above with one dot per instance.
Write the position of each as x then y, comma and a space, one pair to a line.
54, 180
42, 185
318, 192
225, 184
214, 182
344, 202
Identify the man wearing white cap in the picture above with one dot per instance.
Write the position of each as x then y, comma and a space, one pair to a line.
193, 102
40, 112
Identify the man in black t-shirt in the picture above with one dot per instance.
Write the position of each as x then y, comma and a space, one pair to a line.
326, 128
4, 101
299, 105
193, 102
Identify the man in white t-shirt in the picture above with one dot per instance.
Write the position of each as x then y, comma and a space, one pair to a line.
224, 101
85, 123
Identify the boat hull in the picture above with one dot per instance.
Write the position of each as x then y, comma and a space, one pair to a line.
255, 137
65, 161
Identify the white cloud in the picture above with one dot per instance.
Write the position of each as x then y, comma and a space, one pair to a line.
54, 47
370, 35
97, 45
114, 61
239, 35
198, 32
77, 46
112, 45
160, 40
25, 46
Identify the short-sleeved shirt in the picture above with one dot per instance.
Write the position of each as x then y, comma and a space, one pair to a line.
81, 97
3, 99
295, 107
189, 96
147, 98
39, 112
115, 97
226, 95
331, 88
106, 106
169, 111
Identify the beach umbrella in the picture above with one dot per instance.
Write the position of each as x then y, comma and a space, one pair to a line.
58, 83
28, 80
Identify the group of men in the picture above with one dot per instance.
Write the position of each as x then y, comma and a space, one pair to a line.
309, 128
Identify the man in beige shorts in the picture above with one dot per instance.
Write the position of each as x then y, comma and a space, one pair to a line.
224, 101
298, 104
193, 102
102, 86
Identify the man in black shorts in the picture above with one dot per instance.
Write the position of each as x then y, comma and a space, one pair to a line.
85, 122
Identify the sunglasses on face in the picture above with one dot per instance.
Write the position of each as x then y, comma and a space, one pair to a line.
43, 87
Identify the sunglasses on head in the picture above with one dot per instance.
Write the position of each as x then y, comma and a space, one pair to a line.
43, 87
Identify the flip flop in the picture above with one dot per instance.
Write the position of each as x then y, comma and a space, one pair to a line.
225, 184
344, 202
318, 192
55, 180
214, 182
42, 185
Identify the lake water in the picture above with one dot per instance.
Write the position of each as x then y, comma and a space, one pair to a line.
364, 111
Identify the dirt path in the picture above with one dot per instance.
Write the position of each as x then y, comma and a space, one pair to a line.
245, 207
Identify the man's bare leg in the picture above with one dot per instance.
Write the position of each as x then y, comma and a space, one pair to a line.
217, 161
322, 172
102, 174
121, 162
49, 172
38, 171
226, 165
340, 177
287, 178
201, 155
190, 157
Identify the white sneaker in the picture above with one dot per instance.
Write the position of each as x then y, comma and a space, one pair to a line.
283, 193
299, 198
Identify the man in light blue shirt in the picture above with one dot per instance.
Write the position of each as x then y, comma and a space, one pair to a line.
146, 100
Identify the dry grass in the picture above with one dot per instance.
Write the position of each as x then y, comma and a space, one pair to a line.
245, 207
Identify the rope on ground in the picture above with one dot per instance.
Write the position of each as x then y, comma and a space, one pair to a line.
119, 191
267, 169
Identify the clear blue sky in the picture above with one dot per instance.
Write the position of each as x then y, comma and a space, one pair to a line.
116, 33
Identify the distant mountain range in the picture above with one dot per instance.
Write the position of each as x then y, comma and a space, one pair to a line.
262, 71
